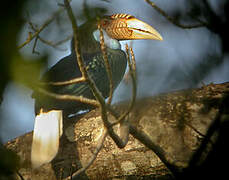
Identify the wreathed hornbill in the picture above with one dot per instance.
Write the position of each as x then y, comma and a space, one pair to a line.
49, 111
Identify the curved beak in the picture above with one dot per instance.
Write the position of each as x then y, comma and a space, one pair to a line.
127, 27
142, 30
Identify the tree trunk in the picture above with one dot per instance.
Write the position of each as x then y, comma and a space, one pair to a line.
168, 135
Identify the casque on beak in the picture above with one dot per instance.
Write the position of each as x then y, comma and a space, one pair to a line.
141, 30
127, 27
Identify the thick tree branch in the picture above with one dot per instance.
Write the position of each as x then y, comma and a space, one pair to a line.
161, 124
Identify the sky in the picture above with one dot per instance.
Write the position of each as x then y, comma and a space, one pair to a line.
162, 66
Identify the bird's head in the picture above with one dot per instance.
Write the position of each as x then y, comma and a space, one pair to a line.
115, 28
127, 27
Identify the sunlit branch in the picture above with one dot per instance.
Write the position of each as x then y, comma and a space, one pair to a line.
88, 79
72, 81
68, 97
172, 20
122, 119
96, 92
91, 83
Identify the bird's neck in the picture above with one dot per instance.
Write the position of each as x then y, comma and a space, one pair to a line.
89, 36
109, 42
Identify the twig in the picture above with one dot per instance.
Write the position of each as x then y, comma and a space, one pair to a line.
45, 24
120, 119
19, 174
132, 67
172, 20
96, 92
76, 39
34, 46
108, 68
69, 97
62, 41
54, 45
91, 83
72, 81
88, 79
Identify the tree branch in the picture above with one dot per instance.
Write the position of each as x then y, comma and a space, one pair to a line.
68, 97
162, 124
49, 43
43, 26
172, 20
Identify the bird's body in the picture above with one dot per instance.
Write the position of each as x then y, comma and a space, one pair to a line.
49, 111
67, 69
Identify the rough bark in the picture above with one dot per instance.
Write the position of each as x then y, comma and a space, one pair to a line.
166, 132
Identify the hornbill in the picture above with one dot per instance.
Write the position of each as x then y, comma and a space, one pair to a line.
49, 111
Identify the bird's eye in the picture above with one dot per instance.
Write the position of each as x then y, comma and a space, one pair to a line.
104, 23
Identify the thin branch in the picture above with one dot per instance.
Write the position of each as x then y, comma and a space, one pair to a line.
69, 82
44, 25
88, 79
92, 85
97, 150
132, 67
62, 41
34, 46
69, 97
96, 92
120, 119
172, 20
19, 174
54, 45
76, 39
107, 64
132, 70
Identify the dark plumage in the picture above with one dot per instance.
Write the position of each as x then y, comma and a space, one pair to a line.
67, 69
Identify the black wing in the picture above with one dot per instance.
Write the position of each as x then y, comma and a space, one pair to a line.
65, 69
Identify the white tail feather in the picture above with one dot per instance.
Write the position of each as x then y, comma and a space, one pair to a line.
47, 131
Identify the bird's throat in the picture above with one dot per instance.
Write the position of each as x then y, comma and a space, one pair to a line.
109, 42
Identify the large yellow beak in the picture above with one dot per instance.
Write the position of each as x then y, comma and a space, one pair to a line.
142, 30
127, 27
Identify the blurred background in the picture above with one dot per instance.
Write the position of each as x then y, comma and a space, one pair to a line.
186, 58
